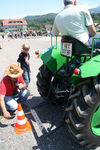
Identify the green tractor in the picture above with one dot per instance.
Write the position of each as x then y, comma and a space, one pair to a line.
70, 75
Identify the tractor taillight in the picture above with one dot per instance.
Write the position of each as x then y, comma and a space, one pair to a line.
62, 41
77, 71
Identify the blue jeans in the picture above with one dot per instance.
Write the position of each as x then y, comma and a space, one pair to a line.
26, 77
96, 41
12, 101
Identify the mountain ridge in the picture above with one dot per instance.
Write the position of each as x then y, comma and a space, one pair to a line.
53, 15
49, 15
95, 10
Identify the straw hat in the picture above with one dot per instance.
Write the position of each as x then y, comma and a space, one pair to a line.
14, 71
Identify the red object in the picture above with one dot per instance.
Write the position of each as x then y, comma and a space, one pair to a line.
6, 86
77, 71
36, 52
30, 31
38, 56
14, 22
21, 50
62, 41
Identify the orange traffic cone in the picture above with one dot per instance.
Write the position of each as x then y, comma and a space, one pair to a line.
22, 124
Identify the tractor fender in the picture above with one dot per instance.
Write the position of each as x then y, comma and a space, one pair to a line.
90, 68
52, 58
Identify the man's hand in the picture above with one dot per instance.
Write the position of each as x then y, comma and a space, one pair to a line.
21, 86
6, 115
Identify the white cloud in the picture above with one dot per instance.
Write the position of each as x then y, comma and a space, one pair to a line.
94, 6
90, 6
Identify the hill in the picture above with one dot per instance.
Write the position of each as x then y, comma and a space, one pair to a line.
95, 10
49, 15
37, 22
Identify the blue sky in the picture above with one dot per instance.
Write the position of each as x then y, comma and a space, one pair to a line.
20, 8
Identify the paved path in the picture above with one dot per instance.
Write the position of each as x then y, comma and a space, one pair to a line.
49, 114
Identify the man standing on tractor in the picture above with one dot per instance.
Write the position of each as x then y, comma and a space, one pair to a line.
76, 21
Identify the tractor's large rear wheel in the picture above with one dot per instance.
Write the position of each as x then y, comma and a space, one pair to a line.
84, 117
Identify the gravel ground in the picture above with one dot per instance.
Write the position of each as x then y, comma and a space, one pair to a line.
49, 114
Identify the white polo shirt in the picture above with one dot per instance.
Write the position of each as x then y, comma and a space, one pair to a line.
72, 21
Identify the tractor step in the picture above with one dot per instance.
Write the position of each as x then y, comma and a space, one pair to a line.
61, 93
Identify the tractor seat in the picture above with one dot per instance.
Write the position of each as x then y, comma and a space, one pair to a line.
78, 48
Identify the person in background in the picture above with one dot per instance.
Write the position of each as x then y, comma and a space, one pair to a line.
3, 35
12, 90
76, 21
23, 62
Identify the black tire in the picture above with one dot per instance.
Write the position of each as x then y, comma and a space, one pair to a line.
44, 81
80, 116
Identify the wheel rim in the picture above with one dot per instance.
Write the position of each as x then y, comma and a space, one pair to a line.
95, 124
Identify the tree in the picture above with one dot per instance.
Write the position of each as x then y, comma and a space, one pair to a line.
19, 28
